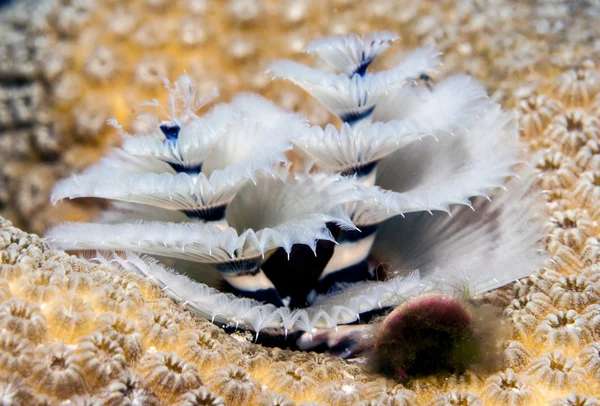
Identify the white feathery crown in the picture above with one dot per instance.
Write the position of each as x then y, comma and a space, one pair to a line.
353, 98
413, 178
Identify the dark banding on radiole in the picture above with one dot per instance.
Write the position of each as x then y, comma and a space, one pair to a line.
269, 295
354, 117
361, 170
171, 131
207, 214
358, 272
189, 169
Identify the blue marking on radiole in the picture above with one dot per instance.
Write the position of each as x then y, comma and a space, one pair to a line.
171, 131
361, 69
352, 118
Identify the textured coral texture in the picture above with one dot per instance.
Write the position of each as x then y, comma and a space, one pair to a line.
74, 332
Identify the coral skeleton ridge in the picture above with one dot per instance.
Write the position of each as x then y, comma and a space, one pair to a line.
412, 178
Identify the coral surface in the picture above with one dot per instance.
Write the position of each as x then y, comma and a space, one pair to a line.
56, 310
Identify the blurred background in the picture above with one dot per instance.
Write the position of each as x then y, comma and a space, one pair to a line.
67, 66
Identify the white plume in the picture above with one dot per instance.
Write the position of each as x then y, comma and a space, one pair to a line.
245, 143
193, 144
455, 102
433, 174
350, 98
298, 216
349, 147
481, 249
423, 60
352, 53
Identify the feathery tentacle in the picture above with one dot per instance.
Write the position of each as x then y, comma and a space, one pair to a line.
352, 54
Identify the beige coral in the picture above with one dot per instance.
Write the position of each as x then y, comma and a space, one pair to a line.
535, 113
342, 393
102, 359
554, 90
203, 397
535, 303
57, 371
575, 399
286, 376
516, 356
13, 390
129, 389
16, 354
159, 329
389, 394
573, 130
23, 318
43, 284
570, 228
579, 85
564, 329
234, 384
557, 370
590, 359
456, 398
576, 291
70, 317
587, 188
508, 388
123, 332
558, 171
168, 374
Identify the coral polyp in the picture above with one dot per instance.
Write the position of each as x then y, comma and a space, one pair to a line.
23, 318
57, 371
128, 389
508, 388
234, 384
169, 375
